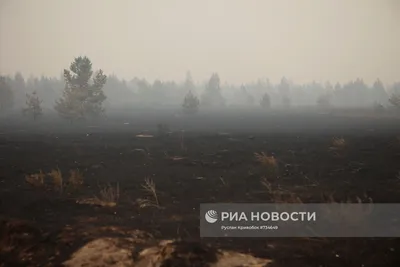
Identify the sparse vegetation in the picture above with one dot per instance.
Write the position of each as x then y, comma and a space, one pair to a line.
268, 161
33, 106
75, 180
278, 195
36, 179
216, 169
56, 180
108, 195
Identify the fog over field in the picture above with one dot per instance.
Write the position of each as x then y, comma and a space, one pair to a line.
341, 53
118, 119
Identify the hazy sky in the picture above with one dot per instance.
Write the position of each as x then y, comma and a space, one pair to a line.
242, 40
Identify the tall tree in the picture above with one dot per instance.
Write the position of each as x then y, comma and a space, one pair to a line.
212, 95
379, 93
6, 94
80, 98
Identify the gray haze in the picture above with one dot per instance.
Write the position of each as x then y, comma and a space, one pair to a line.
336, 40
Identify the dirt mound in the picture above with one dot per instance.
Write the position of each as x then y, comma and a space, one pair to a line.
168, 253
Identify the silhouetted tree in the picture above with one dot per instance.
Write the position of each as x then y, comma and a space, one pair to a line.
212, 95
33, 104
379, 94
190, 103
81, 99
265, 101
6, 94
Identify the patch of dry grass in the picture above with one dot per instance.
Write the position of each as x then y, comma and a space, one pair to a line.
278, 195
75, 180
108, 195
36, 179
265, 160
338, 143
269, 162
150, 187
57, 178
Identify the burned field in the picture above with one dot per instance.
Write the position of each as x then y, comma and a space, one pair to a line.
140, 181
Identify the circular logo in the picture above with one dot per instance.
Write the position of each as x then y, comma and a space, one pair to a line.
211, 216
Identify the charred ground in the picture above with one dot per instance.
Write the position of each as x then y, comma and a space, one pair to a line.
211, 160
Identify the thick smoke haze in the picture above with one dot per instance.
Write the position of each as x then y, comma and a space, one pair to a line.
304, 40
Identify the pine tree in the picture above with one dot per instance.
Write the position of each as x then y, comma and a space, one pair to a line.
212, 96
81, 99
191, 103
265, 101
34, 107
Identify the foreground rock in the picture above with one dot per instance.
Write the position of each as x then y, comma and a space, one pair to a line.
118, 252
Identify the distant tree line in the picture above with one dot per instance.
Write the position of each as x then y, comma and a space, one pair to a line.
82, 93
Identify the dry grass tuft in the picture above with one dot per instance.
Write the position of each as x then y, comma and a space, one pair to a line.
268, 161
75, 179
338, 143
36, 179
279, 195
150, 187
58, 181
108, 195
